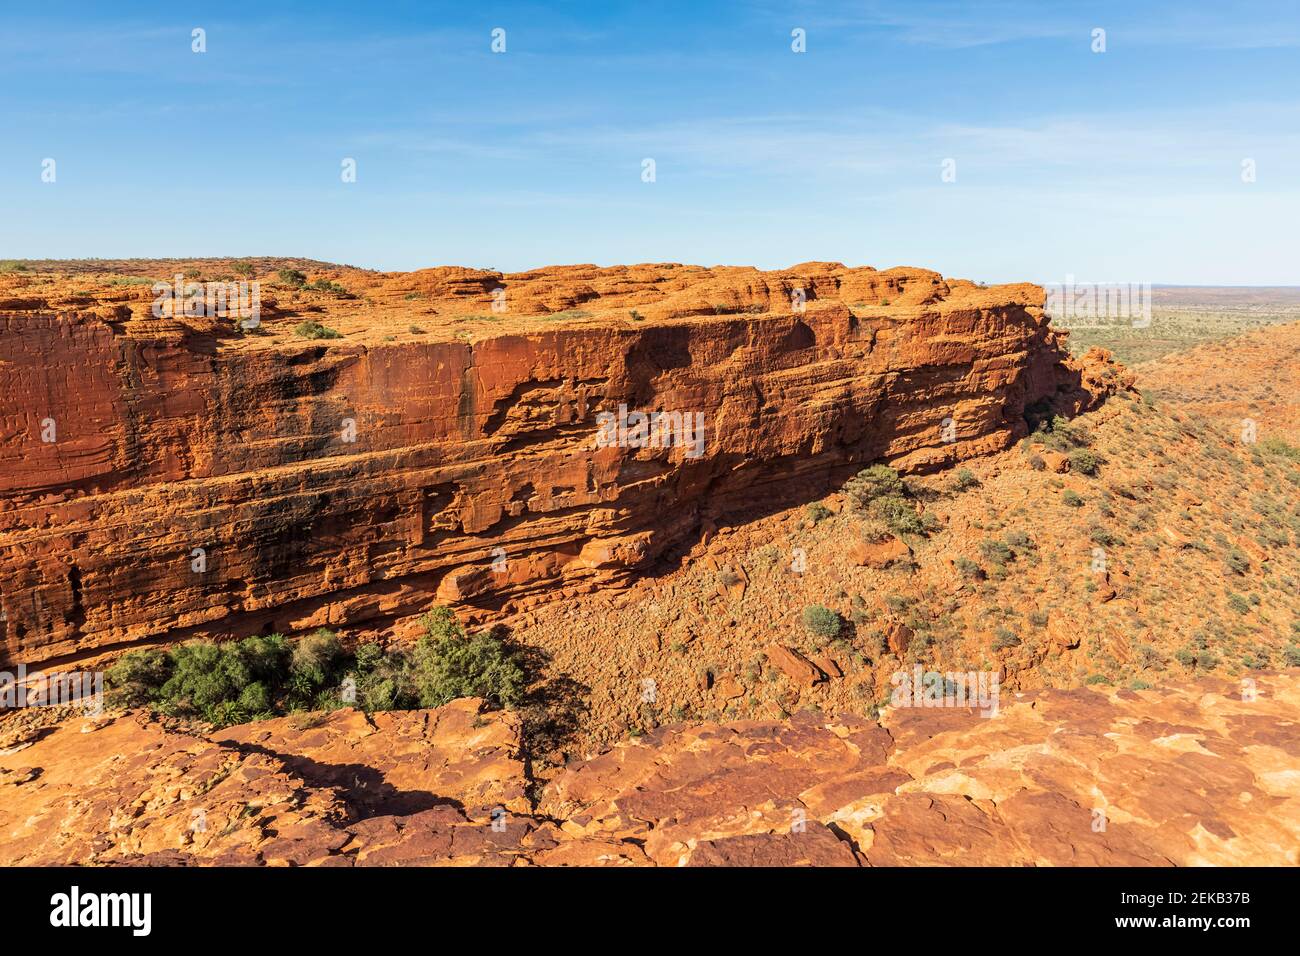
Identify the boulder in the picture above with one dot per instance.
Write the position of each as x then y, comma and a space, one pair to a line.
794, 665
879, 554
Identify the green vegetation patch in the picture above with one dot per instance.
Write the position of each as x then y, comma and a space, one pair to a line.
881, 493
311, 329
822, 621
266, 676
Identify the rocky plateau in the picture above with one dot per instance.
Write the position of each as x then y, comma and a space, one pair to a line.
1192, 775
178, 477
383, 442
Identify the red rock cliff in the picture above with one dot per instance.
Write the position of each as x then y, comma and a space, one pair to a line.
350, 481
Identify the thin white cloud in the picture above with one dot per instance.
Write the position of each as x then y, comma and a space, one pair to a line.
948, 24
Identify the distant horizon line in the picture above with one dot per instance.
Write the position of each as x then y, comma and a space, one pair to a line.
457, 265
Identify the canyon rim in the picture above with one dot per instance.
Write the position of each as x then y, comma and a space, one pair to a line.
184, 476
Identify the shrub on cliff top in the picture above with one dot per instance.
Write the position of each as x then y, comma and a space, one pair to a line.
136, 677
446, 665
325, 285
223, 683
315, 669
262, 676
311, 329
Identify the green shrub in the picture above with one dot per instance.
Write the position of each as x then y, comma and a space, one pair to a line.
1099, 534
441, 622
879, 491
872, 483
965, 479
237, 681
316, 656
818, 511
311, 329
1003, 638
1236, 561
218, 682
898, 515
325, 285
1057, 432
1276, 446
1069, 431
1072, 499
822, 621
222, 683
383, 680
292, 277
995, 551
1019, 539
1084, 461
452, 666
315, 669
368, 657
138, 676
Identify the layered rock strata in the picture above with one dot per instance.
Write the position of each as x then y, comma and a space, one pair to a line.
168, 478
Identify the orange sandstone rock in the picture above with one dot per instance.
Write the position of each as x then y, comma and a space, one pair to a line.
794, 665
880, 554
173, 477
1190, 775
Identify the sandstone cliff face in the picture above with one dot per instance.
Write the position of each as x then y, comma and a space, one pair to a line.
1192, 775
172, 478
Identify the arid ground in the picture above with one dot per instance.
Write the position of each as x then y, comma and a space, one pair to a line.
709, 645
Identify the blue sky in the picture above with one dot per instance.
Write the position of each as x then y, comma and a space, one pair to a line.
1116, 166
